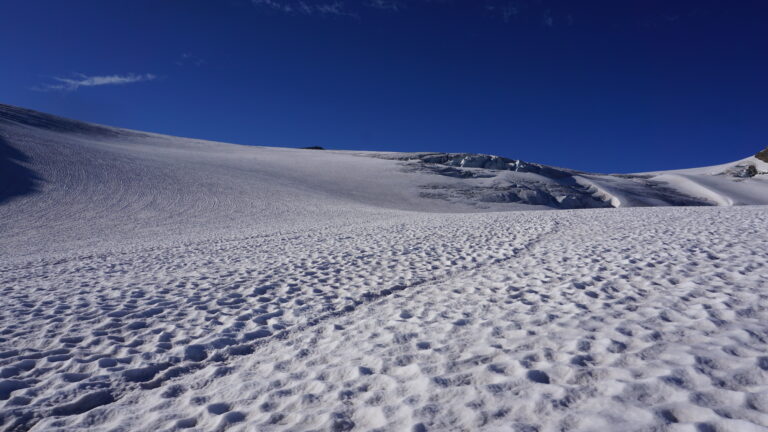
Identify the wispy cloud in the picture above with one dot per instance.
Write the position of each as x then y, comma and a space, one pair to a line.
530, 11
547, 19
81, 80
393, 5
536, 12
334, 8
190, 59
507, 10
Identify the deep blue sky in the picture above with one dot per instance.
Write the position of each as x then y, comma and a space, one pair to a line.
610, 86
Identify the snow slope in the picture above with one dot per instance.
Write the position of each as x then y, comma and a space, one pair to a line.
158, 283
65, 182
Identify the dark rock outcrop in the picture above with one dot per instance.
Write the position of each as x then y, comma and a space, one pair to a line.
763, 155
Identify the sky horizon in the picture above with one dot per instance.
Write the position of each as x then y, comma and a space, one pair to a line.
599, 86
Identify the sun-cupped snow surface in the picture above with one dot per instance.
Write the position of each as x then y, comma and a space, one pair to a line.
159, 283
586, 320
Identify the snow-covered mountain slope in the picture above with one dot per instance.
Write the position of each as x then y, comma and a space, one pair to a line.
77, 178
743, 182
158, 283
62, 178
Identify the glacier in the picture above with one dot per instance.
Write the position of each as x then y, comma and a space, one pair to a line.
157, 282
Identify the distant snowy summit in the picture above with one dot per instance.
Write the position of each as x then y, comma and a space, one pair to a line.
490, 178
49, 164
744, 168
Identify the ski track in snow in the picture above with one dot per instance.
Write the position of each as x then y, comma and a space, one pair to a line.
576, 320
158, 283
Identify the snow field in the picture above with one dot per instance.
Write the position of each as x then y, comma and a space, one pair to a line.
158, 283
587, 320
